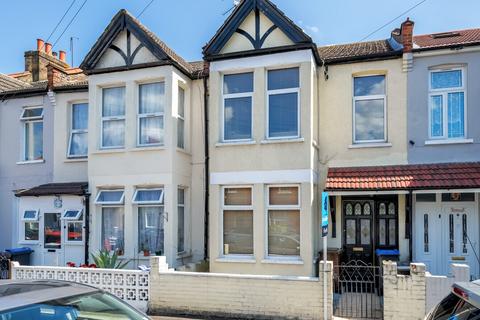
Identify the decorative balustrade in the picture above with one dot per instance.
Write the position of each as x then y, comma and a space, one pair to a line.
132, 286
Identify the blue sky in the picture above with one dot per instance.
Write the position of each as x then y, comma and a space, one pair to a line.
186, 25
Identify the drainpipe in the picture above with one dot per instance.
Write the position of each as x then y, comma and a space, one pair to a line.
410, 225
207, 161
86, 202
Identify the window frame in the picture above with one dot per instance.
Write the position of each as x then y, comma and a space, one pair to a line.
160, 201
120, 202
77, 131
122, 206
24, 221
31, 121
366, 98
225, 207
157, 114
278, 92
35, 219
269, 207
184, 206
225, 96
443, 92
164, 216
74, 218
112, 118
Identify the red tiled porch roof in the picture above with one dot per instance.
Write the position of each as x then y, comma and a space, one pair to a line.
405, 177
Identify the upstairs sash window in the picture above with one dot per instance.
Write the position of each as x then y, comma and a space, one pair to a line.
113, 118
151, 114
78, 143
32, 119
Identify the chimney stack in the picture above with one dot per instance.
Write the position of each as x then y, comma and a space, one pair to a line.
40, 44
48, 48
407, 35
63, 56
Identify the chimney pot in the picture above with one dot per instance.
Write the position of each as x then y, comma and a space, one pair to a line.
54, 54
48, 48
40, 44
62, 55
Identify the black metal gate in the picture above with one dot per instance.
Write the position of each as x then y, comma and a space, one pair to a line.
4, 267
357, 291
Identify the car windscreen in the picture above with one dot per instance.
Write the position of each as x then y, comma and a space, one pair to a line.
455, 308
18, 288
94, 306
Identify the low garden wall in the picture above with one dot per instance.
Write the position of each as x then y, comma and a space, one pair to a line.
236, 295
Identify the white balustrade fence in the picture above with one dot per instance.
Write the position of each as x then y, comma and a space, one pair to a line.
132, 286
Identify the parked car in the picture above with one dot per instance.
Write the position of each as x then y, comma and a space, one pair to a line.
461, 304
42, 300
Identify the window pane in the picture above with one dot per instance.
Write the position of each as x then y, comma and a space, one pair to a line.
181, 102
238, 197
113, 102
436, 116
283, 79
181, 229
283, 115
113, 133
71, 214
80, 116
113, 230
238, 83
33, 141
367, 86
382, 209
75, 231
79, 144
382, 232
365, 231
426, 197
180, 133
110, 196
238, 118
148, 195
30, 214
181, 196
152, 97
369, 120
446, 79
32, 113
283, 196
31, 231
150, 229
151, 130
52, 231
446, 197
284, 232
392, 232
351, 231
456, 116
238, 232
425, 234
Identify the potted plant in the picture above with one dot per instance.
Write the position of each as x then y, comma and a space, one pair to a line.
158, 253
146, 251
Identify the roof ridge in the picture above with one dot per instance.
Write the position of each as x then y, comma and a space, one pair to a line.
449, 31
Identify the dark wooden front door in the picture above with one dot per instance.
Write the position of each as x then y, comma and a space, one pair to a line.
358, 224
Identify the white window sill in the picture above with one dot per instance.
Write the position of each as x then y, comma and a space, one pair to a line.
370, 145
107, 151
31, 161
183, 151
286, 140
281, 260
147, 148
232, 259
448, 141
235, 143
182, 255
79, 159
30, 243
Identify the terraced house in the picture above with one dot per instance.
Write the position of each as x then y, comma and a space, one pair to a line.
141, 152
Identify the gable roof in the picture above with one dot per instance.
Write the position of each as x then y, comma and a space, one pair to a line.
10, 83
467, 37
240, 13
124, 20
357, 51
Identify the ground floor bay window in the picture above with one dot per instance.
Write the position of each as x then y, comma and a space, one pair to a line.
113, 220
283, 221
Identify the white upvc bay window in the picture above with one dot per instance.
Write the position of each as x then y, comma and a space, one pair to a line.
78, 142
181, 119
369, 109
112, 220
283, 103
447, 101
113, 118
150, 118
181, 220
237, 113
32, 118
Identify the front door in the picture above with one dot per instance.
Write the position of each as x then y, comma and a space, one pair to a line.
358, 230
52, 239
446, 234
